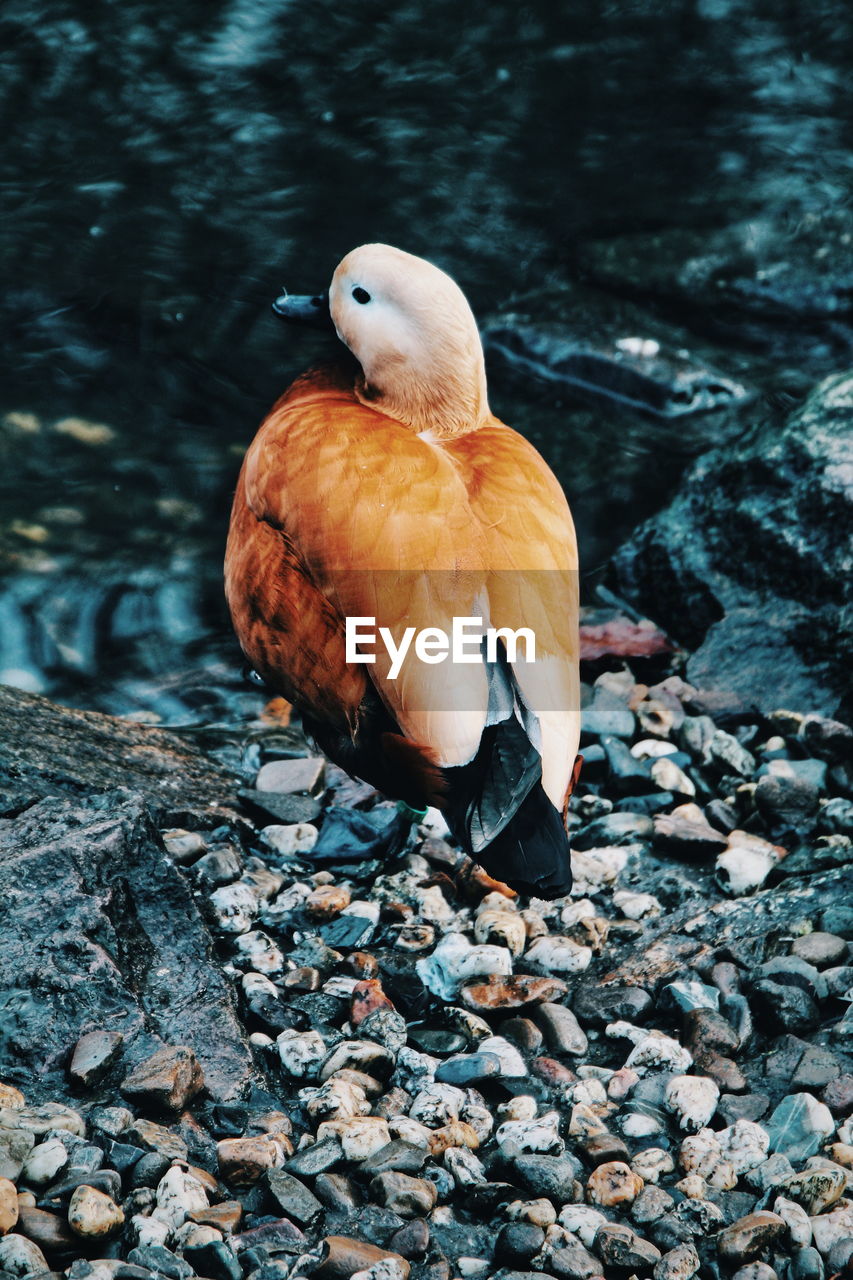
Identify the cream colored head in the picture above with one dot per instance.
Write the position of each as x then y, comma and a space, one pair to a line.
413, 333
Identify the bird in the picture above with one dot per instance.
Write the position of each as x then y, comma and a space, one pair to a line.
380, 488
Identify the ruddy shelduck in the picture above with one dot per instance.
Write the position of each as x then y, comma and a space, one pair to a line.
382, 493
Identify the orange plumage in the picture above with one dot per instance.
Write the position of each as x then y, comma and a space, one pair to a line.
391, 491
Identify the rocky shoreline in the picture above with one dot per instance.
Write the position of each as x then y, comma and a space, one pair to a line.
257, 1029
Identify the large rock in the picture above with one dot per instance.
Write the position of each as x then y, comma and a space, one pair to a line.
97, 928
46, 749
752, 560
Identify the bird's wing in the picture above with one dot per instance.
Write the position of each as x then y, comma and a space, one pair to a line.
531, 552
381, 520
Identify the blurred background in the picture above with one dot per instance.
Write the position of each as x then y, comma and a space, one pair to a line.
647, 204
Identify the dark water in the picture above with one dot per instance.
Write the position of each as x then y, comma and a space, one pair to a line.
166, 168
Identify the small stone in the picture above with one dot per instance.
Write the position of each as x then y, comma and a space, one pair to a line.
651, 1205
668, 777
820, 949
558, 954
619, 1246
234, 907
707, 1033
92, 1214
360, 1137
517, 1242
286, 777
40, 1120
290, 839
565, 1257
561, 1029
796, 1220
242, 1161
167, 1080
257, 951
755, 1271
412, 1240
583, 1221
596, 1005
301, 1052
612, 1184
685, 996
702, 1154
749, 1236
157, 1138
225, 1216
512, 992
541, 1213
679, 1263
11, 1097
815, 1189
693, 1099
744, 1144
342, 1257
292, 1196
183, 846
550, 1176
653, 1051
178, 1195
538, 1135
830, 1228
93, 1056
780, 1007
786, 803
686, 833
512, 1063
327, 901
44, 1162
21, 1257
799, 1126
652, 1164
8, 1206
468, 1068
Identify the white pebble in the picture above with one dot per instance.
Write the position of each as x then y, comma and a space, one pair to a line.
703, 1155
466, 1169
693, 1099
557, 954
301, 1052
44, 1162
291, 839
634, 906
652, 1164
455, 960
178, 1195
437, 1105
541, 1136
258, 949
582, 1221
796, 1220
235, 907
512, 1063
505, 928
745, 1144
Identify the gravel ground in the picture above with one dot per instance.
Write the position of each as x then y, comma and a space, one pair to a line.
651, 1076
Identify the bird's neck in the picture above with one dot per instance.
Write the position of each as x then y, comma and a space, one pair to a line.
444, 402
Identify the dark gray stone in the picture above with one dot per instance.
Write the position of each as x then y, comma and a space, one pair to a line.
762, 513
101, 935
778, 1007
596, 1005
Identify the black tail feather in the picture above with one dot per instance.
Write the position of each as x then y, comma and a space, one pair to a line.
499, 813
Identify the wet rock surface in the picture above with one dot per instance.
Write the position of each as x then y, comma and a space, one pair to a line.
226, 1058
749, 566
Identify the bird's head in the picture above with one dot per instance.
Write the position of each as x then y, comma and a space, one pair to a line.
412, 331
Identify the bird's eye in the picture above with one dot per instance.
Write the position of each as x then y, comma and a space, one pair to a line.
360, 295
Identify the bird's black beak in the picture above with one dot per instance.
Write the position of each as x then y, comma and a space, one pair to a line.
302, 309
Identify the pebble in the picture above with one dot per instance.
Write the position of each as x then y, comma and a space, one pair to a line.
286, 777
693, 1099
44, 1162
166, 1081
796, 1220
513, 992
561, 1029
679, 1263
343, 1257
821, 949
749, 1236
21, 1257
8, 1206
178, 1195
454, 961
799, 1126
613, 1184
618, 1246
94, 1054
93, 1214
293, 1197
242, 1161
744, 1144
